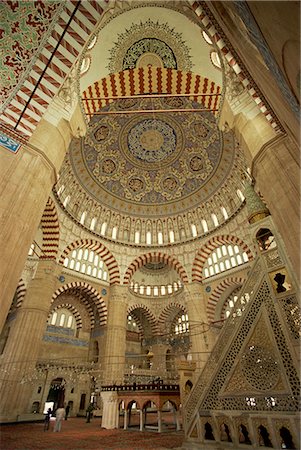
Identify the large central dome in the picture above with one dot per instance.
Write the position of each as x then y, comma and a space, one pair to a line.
142, 155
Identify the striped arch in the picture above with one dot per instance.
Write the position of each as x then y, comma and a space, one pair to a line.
218, 292
84, 290
19, 295
102, 251
75, 312
206, 250
148, 80
155, 257
169, 313
148, 315
51, 234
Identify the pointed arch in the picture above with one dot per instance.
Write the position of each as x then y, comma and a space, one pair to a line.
216, 241
152, 257
51, 232
72, 309
84, 289
218, 292
147, 314
19, 295
101, 250
169, 313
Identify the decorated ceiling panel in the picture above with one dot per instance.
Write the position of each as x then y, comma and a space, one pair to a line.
150, 80
158, 159
40, 42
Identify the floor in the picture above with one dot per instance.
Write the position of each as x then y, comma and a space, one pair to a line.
76, 434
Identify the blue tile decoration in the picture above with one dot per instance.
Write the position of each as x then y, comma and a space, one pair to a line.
9, 143
96, 333
60, 330
65, 340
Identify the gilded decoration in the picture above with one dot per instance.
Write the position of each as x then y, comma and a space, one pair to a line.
152, 158
30, 25
149, 43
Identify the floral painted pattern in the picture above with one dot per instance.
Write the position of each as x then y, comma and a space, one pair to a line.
25, 26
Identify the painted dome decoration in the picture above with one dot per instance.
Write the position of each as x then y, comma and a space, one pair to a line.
155, 158
149, 43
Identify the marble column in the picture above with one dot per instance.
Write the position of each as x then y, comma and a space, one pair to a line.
22, 349
200, 336
110, 414
26, 180
114, 360
276, 170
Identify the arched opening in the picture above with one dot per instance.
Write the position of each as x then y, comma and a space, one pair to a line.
286, 438
188, 386
209, 432
56, 392
264, 437
243, 436
265, 239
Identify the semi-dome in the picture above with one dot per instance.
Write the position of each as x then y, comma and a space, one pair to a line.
153, 166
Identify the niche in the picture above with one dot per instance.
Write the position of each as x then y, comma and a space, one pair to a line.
264, 437
209, 432
286, 438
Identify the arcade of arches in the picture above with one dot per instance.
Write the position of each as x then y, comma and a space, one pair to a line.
150, 216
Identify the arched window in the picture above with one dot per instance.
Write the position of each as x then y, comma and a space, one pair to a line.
62, 320
148, 290
88, 262
160, 238
194, 230
93, 223
171, 236
148, 238
214, 219
240, 195
53, 318
141, 289
156, 291
69, 323
224, 258
103, 229
204, 225
31, 250
224, 212
66, 201
61, 190
83, 217
114, 233
137, 237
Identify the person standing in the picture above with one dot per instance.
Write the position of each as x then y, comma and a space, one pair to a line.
47, 419
67, 411
59, 416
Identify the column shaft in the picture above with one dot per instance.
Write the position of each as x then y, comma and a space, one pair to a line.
23, 345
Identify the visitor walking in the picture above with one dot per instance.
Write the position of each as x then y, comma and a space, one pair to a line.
59, 416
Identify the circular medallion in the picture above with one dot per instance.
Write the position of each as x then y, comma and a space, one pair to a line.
108, 166
151, 140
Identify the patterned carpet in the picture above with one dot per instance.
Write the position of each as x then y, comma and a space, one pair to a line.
76, 434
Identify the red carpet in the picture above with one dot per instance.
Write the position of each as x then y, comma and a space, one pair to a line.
76, 434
